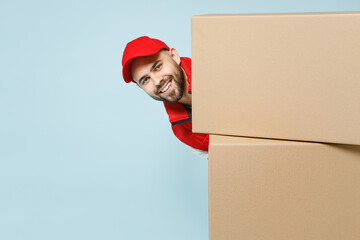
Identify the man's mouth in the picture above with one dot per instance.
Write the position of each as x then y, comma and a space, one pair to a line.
165, 87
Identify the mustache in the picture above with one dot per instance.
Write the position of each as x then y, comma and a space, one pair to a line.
162, 83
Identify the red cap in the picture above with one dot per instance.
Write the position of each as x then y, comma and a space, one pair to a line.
140, 47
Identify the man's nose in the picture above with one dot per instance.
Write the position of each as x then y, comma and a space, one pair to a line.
157, 79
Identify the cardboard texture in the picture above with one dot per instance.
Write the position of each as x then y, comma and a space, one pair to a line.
281, 190
282, 76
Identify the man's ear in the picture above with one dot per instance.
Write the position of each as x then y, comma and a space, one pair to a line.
174, 54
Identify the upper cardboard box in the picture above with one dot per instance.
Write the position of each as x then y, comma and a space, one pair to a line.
285, 76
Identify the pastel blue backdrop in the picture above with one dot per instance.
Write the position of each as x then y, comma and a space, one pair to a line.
82, 154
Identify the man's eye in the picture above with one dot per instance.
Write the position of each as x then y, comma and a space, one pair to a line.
158, 67
144, 81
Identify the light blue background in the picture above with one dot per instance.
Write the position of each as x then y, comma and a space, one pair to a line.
82, 154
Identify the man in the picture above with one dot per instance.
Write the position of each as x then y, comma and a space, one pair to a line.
164, 76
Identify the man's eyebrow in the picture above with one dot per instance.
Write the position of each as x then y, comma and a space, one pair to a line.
152, 67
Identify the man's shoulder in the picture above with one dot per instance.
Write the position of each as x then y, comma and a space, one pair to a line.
185, 60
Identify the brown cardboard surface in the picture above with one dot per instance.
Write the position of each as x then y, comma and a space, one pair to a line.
283, 76
281, 190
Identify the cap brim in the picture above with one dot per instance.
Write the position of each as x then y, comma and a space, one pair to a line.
126, 72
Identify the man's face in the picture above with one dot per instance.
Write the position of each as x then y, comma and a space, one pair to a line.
160, 76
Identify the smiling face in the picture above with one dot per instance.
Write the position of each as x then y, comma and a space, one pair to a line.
160, 75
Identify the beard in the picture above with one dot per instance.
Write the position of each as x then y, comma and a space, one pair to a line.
178, 84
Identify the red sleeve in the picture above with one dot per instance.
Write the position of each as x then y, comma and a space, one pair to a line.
183, 131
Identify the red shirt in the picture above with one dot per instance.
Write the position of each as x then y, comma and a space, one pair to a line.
180, 117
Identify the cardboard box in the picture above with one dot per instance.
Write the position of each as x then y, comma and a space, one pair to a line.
281, 190
282, 76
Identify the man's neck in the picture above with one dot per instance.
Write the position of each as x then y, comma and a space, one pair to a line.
186, 98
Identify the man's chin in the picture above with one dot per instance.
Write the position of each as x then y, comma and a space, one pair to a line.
171, 100
168, 100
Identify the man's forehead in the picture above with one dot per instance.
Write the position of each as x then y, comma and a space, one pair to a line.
143, 64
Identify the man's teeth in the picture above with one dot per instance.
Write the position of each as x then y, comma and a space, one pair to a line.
166, 87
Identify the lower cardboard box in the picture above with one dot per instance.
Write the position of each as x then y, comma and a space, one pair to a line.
282, 190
